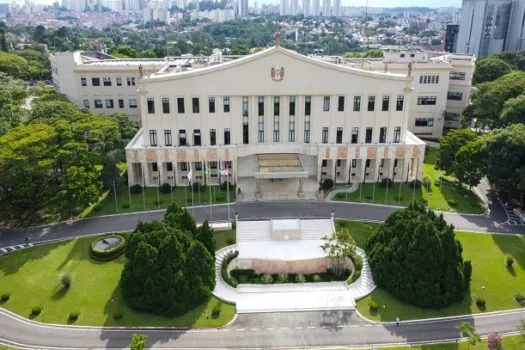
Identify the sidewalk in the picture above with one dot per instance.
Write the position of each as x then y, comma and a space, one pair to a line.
330, 196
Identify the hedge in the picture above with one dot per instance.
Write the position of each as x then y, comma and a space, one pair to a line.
358, 266
110, 254
224, 268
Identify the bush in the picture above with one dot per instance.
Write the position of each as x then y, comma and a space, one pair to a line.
326, 185
118, 315
316, 278
197, 187
300, 278
234, 225
110, 253
5, 297
282, 277
480, 302
219, 197
135, 189
216, 311
224, 186
230, 240
65, 280
73, 316
373, 305
520, 298
125, 206
165, 188
157, 202
369, 197
509, 261
437, 183
416, 182
386, 183
224, 269
266, 279
36, 311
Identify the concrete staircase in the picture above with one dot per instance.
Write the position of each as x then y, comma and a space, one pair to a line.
365, 283
316, 229
223, 290
250, 231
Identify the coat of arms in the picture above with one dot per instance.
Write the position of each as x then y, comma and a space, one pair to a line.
277, 73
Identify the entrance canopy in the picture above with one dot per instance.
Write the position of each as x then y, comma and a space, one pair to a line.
279, 166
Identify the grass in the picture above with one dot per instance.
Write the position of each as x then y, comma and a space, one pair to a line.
491, 280
182, 196
360, 230
512, 342
31, 276
443, 195
221, 238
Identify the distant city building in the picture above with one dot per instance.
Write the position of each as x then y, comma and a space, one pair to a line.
326, 7
315, 8
306, 8
244, 8
451, 37
337, 8
215, 16
294, 7
283, 10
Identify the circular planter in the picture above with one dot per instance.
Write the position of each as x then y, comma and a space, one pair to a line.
107, 247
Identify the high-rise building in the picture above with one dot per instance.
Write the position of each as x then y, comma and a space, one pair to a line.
451, 37
306, 8
337, 8
294, 7
315, 8
244, 9
326, 7
283, 10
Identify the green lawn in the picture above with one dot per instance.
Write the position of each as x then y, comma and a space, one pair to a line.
490, 280
513, 342
181, 196
443, 195
360, 230
31, 276
221, 238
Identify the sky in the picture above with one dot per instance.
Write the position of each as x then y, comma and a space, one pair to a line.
371, 3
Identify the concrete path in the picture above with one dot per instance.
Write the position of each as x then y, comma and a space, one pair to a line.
350, 189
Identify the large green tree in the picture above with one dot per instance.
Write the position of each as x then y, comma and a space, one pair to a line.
513, 111
489, 69
415, 256
13, 65
470, 163
450, 144
12, 95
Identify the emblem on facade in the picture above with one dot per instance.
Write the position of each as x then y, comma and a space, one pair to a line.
277, 73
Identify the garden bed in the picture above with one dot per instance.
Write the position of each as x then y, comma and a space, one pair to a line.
248, 276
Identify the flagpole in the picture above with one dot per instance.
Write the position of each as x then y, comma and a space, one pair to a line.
158, 197
115, 193
144, 191
129, 194
209, 190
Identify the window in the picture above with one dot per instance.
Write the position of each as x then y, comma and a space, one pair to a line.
291, 129
182, 137
367, 163
454, 96
226, 136
245, 106
307, 105
213, 165
307, 129
86, 103
412, 55
355, 135
276, 128
426, 100
119, 81
213, 137
95, 81
354, 163
195, 104
424, 122
453, 117
341, 104
169, 166
153, 137
196, 137
357, 103
382, 163
429, 79
457, 75
154, 167
98, 103
183, 166
245, 134
402, 55
197, 166
260, 106
107, 81
397, 134
180, 105
382, 134
368, 135
276, 105
371, 103
386, 103
326, 103
83, 81
151, 105
339, 136
226, 104
324, 163
325, 135
167, 137
109, 103
338, 163
399, 102
165, 105
292, 105
211, 104
120, 103
130, 81
132, 103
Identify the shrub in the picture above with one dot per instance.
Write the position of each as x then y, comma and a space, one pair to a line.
36, 311
135, 189
234, 225
300, 278
316, 278
426, 181
224, 269
125, 206
373, 305
65, 280
219, 197
326, 184
5, 297
480, 302
118, 315
368, 197
107, 254
216, 311
157, 202
165, 188
451, 202
386, 183
520, 298
266, 279
282, 277
197, 187
398, 198
73, 316
494, 341
437, 183
224, 186
416, 182
509, 261
230, 240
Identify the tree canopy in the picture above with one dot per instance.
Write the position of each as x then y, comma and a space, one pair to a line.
415, 256
168, 271
489, 69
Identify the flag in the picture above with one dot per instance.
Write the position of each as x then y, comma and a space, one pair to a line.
190, 174
225, 171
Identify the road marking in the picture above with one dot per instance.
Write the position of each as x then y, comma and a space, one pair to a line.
254, 329
240, 329
226, 330
3, 250
312, 327
270, 329
368, 325
341, 326
284, 328
298, 328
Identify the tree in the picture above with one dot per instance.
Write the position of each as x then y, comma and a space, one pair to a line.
178, 217
415, 256
206, 237
490, 69
240, 49
110, 172
13, 65
449, 146
468, 331
3, 41
469, 163
12, 95
138, 342
494, 341
338, 246
513, 111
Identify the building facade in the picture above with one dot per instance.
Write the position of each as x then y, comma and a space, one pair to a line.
451, 37
274, 118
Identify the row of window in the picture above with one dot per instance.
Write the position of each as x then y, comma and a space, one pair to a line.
426, 100
457, 75
454, 96
107, 81
354, 163
197, 139
184, 166
429, 79
109, 103
424, 122
195, 104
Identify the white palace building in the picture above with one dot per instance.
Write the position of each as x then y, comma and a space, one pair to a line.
275, 119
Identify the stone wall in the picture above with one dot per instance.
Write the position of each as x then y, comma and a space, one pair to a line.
306, 266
